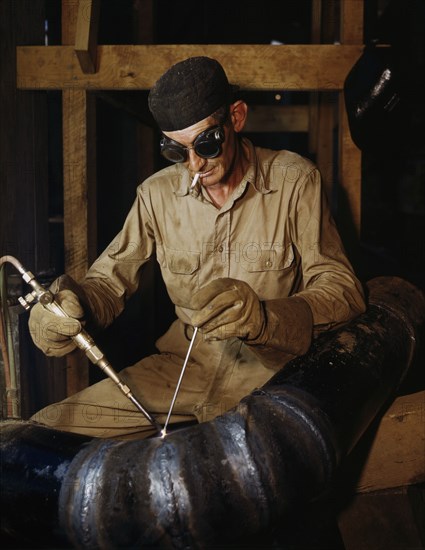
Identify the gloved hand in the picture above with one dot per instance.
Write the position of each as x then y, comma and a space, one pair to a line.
52, 333
228, 308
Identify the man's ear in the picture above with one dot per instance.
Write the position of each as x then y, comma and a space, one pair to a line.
238, 114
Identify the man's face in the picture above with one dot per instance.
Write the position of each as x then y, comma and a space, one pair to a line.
212, 171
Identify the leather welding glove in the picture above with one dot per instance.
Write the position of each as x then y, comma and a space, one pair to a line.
52, 333
228, 308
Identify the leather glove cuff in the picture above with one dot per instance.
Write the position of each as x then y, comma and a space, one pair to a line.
288, 327
103, 303
66, 282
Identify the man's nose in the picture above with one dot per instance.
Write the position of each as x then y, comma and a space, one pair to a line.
196, 163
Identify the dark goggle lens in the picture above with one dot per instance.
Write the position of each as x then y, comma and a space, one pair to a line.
206, 145
172, 152
208, 149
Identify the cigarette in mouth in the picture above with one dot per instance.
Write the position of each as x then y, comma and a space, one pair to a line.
195, 180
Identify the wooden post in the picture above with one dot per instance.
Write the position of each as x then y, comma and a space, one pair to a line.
322, 104
316, 24
349, 155
86, 34
79, 182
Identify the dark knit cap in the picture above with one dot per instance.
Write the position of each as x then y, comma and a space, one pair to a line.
188, 92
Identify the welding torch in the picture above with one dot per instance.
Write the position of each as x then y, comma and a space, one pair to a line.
83, 340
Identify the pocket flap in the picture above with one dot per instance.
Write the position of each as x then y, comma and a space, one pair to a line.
271, 259
182, 262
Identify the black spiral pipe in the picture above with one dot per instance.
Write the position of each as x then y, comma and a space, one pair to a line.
242, 472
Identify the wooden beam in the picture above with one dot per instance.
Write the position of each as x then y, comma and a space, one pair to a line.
86, 34
253, 67
277, 118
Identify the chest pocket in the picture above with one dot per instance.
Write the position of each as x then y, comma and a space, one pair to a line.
182, 262
266, 258
180, 271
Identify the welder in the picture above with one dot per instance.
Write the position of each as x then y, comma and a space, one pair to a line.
248, 251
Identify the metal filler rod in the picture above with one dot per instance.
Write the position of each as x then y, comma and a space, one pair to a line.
164, 430
83, 340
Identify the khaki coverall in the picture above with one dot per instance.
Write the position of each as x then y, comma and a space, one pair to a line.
275, 232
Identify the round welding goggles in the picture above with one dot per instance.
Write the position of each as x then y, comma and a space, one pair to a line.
207, 145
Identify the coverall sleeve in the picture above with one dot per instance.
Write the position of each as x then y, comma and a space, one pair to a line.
329, 294
115, 275
330, 286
